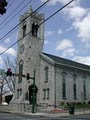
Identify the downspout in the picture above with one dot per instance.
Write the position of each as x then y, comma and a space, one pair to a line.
54, 86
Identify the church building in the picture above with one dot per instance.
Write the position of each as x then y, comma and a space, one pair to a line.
57, 79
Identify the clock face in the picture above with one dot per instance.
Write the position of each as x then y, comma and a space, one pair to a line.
21, 49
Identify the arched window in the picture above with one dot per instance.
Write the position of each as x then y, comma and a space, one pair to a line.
44, 93
20, 71
24, 30
64, 85
20, 91
48, 93
46, 73
84, 87
17, 93
74, 86
26, 96
35, 29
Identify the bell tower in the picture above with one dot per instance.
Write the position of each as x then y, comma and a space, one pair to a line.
30, 45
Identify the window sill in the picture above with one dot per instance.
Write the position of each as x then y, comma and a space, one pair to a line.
64, 98
85, 98
75, 98
45, 81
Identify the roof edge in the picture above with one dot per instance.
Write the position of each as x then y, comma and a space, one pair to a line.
48, 59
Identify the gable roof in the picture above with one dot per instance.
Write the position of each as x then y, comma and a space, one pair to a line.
62, 61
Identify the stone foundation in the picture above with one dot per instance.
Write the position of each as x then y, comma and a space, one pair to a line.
16, 108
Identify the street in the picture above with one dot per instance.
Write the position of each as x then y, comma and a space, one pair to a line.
10, 116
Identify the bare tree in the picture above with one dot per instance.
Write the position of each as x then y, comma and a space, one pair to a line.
10, 63
7, 84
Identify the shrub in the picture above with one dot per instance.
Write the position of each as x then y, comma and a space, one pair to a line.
89, 102
79, 103
67, 103
62, 103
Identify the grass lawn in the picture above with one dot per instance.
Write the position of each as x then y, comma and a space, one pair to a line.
85, 106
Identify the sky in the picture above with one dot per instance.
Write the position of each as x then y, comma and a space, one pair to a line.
67, 34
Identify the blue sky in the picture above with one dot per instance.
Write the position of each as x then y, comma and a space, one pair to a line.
67, 34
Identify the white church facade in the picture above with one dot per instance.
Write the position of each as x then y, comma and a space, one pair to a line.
56, 78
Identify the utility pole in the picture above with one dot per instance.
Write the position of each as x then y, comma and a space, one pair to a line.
34, 91
34, 97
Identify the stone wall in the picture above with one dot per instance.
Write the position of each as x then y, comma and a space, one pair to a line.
47, 84
69, 84
16, 108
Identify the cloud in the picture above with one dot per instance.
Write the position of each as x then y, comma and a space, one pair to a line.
83, 28
80, 21
74, 3
1, 60
49, 33
46, 42
7, 40
53, 2
82, 59
75, 12
64, 44
59, 31
10, 51
68, 52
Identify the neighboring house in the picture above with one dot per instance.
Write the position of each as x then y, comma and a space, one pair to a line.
57, 79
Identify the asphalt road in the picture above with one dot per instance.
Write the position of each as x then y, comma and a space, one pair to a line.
10, 116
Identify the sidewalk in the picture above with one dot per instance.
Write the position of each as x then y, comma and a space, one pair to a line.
62, 114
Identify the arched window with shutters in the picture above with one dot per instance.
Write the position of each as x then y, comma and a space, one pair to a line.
64, 74
46, 73
20, 71
74, 86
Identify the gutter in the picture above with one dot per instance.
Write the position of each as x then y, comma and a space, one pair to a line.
57, 64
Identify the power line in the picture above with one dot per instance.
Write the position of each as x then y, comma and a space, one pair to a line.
39, 25
9, 4
25, 19
43, 5
12, 13
56, 12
